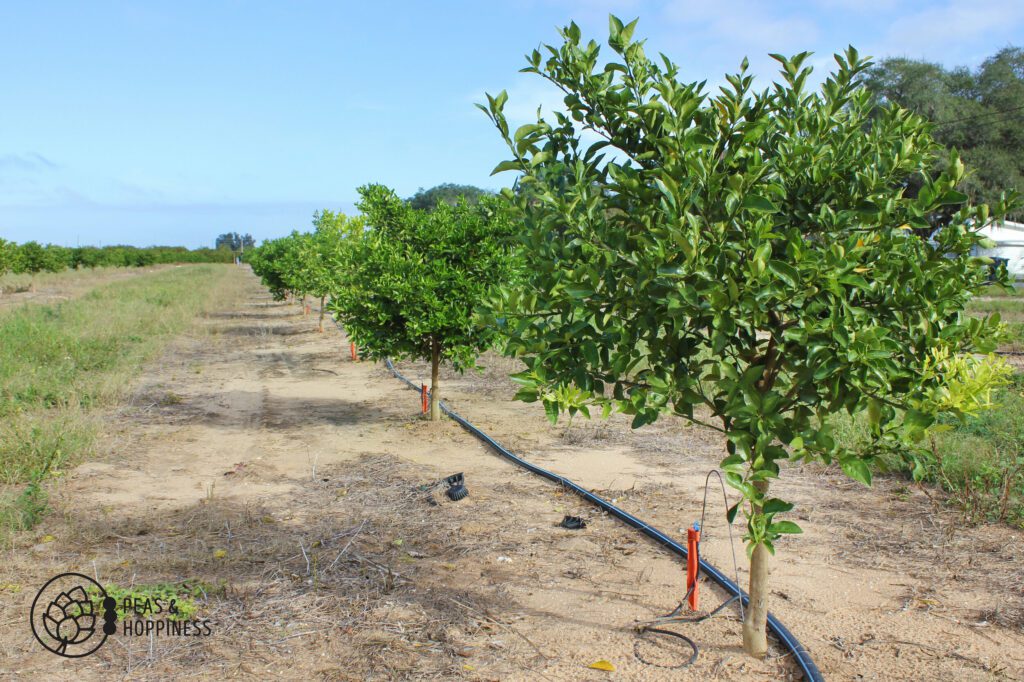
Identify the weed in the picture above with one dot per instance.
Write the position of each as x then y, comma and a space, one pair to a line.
979, 462
175, 601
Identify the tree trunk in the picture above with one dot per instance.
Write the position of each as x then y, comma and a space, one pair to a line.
303, 304
435, 383
755, 636
322, 299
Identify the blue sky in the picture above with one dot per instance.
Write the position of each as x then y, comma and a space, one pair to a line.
171, 122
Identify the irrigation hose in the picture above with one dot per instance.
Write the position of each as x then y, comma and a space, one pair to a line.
800, 653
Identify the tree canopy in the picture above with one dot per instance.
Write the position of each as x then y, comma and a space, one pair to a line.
412, 283
745, 261
276, 263
234, 241
7, 252
449, 193
979, 112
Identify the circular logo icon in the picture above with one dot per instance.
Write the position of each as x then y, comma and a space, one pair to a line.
65, 615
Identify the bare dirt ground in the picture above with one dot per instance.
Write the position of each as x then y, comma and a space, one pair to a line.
256, 458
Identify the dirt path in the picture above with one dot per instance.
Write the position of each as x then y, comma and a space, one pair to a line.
257, 461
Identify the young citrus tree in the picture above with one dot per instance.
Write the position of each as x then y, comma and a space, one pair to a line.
746, 261
333, 232
409, 286
279, 265
7, 251
297, 265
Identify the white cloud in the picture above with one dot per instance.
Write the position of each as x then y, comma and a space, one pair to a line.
744, 24
31, 161
950, 27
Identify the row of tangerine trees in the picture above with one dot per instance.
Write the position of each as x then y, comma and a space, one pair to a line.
32, 257
753, 261
405, 282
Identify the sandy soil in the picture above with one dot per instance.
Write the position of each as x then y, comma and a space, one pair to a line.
256, 457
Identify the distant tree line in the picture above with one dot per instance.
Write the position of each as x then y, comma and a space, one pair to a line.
235, 242
448, 193
978, 112
33, 257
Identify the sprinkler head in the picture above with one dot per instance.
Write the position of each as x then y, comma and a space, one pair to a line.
456, 487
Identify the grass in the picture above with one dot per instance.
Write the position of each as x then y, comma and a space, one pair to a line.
1010, 306
979, 462
60, 363
11, 283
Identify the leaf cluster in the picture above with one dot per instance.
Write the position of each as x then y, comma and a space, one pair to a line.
415, 278
749, 260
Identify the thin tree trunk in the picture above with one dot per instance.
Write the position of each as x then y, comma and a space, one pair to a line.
303, 304
435, 382
322, 299
755, 622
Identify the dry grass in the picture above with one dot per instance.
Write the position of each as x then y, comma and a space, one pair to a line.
362, 579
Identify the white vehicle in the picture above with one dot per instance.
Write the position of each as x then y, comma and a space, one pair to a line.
1009, 239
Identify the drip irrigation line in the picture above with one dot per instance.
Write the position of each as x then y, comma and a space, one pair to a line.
676, 615
800, 653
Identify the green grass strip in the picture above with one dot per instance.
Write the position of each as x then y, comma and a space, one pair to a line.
59, 363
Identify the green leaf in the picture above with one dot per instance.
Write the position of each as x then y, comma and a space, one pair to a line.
857, 469
787, 273
506, 166
754, 202
953, 197
784, 527
776, 506
917, 420
577, 291
551, 410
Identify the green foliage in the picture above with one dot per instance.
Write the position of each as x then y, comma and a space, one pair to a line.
748, 260
32, 257
449, 193
977, 112
320, 251
978, 461
8, 252
415, 277
272, 261
307, 263
141, 601
234, 242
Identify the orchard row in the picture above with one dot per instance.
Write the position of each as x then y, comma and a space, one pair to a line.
32, 257
752, 261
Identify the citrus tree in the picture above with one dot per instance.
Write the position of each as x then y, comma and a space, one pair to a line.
317, 253
7, 251
32, 258
410, 285
7, 255
747, 261
273, 262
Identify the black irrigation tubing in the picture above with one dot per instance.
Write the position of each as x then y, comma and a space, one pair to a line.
800, 653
